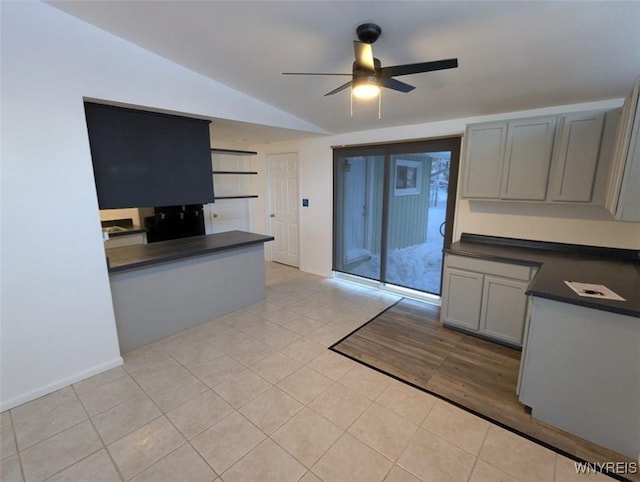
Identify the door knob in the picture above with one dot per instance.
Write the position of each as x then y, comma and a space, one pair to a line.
215, 215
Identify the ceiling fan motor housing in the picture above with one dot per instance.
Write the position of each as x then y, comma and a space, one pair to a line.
358, 72
368, 32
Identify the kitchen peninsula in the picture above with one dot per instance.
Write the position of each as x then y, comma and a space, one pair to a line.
580, 365
162, 288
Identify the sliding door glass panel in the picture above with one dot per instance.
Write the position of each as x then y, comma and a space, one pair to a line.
416, 216
394, 206
358, 197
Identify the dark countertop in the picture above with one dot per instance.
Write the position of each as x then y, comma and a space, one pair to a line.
141, 255
617, 269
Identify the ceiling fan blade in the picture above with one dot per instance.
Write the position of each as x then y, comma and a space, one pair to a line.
311, 73
339, 89
418, 68
364, 56
394, 84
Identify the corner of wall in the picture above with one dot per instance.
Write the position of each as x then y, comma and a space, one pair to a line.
59, 384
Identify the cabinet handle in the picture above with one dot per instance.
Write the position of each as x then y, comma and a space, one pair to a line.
215, 215
272, 215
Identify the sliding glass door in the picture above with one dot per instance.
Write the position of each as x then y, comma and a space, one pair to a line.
358, 188
393, 211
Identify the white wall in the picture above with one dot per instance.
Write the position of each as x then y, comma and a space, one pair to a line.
57, 322
561, 224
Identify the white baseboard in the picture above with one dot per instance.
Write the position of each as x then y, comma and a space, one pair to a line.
57, 385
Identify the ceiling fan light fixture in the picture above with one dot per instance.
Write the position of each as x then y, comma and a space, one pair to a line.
368, 77
366, 88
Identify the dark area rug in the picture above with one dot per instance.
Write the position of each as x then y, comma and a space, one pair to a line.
407, 342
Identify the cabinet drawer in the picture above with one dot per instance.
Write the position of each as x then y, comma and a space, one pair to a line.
497, 268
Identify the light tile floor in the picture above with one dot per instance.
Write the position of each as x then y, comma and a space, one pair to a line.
256, 396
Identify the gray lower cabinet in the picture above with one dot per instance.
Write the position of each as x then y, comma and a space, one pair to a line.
486, 297
503, 310
581, 373
462, 298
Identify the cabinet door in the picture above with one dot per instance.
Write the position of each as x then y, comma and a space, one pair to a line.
504, 305
623, 193
462, 298
630, 192
484, 153
527, 158
575, 157
629, 201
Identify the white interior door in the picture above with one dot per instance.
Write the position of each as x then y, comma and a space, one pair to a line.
283, 172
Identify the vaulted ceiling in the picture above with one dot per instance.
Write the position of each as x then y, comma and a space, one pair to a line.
512, 55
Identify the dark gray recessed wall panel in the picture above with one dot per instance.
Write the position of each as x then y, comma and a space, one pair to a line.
146, 159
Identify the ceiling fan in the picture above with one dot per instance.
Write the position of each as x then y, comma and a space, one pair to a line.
368, 75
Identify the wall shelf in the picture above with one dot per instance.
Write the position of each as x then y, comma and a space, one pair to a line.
236, 197
235, 172
233, 152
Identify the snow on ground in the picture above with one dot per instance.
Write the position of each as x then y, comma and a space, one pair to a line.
418, 266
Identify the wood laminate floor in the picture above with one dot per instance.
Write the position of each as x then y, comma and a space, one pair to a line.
408, 342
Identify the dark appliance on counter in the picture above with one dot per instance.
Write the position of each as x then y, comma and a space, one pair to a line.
175, 222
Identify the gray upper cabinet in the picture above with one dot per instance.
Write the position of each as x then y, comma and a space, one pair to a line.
552, 159
527, 158
484, 158
623, 192
575, 157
